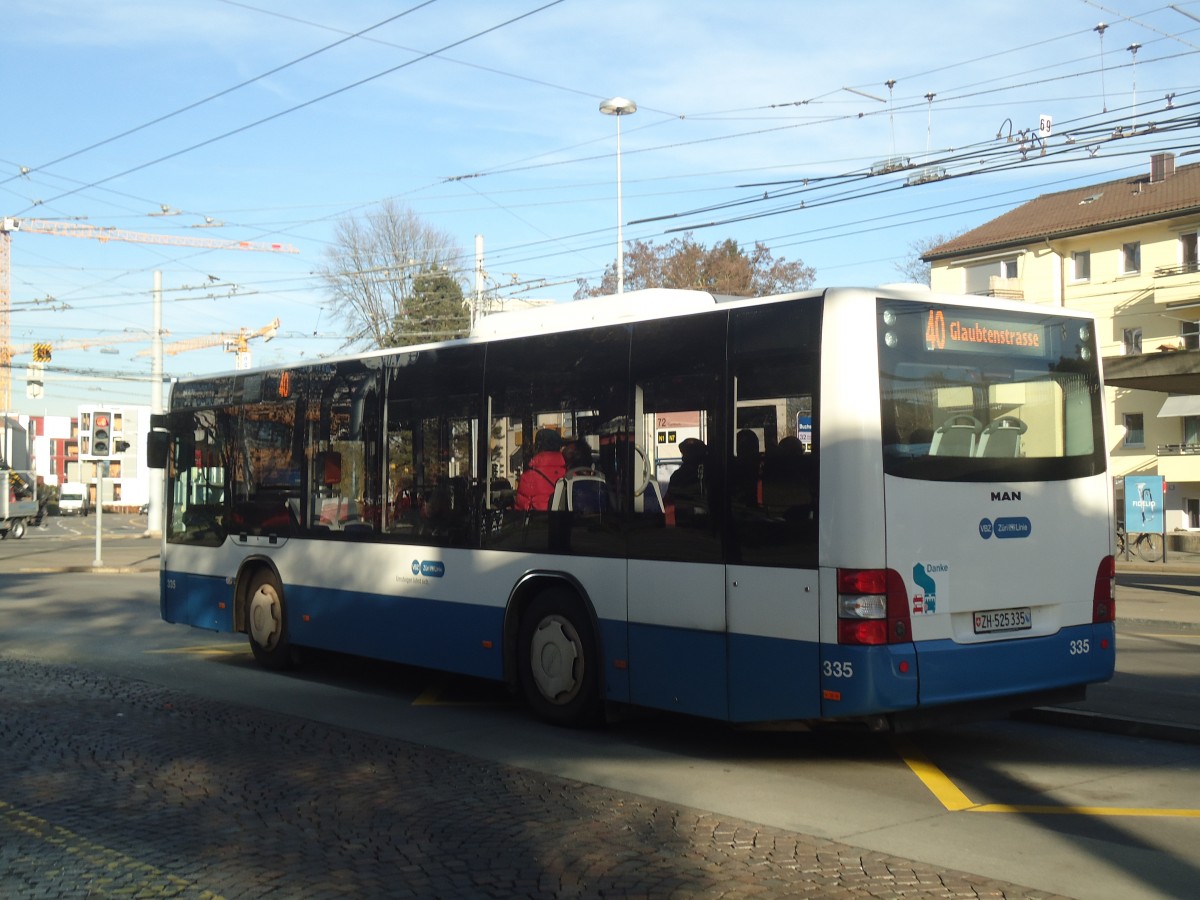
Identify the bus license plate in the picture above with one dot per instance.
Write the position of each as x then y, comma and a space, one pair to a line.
994, 620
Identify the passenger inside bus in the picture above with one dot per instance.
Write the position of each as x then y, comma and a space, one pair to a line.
787, 480
577, 455
747, 487
687, 491
536, 485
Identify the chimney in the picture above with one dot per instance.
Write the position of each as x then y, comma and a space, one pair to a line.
1162, 167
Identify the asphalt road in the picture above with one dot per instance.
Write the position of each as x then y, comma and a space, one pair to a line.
285, 778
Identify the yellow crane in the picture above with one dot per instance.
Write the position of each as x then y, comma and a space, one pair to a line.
233, 342
8, 226
41, 350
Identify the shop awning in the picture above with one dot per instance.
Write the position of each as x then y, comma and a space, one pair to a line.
1180, 405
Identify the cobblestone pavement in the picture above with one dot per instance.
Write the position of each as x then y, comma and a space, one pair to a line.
111, 787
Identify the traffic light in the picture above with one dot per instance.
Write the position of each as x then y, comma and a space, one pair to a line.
101, 434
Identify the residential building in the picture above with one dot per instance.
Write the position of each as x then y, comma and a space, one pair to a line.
1126, 251
49, 447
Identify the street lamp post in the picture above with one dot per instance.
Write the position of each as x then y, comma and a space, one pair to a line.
619, 106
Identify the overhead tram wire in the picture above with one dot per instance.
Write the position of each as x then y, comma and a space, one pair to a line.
218, 95
998, 89
310, 102
915, 106
1043, 161
979, 153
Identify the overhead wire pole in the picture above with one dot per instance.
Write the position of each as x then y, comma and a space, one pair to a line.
8, 225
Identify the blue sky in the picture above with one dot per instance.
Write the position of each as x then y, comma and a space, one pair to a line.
268, 120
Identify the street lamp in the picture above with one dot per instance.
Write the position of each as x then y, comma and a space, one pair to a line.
619, 106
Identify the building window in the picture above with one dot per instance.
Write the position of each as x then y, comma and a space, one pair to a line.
1187, 252
1192, 506
1131, 258
981, 278
1135, 433
1131, 339
1081, 263
1190, 332
1191, 429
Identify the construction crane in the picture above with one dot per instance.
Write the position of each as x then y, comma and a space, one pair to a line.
92, 232
238, 343
41, 349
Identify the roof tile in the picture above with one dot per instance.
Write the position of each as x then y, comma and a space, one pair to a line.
1097, 207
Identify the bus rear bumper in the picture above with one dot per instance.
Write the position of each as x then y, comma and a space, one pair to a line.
950, 681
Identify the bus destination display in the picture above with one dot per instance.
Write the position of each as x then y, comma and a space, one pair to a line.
951, 330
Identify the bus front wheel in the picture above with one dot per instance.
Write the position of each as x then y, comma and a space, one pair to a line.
558, 660
266, 623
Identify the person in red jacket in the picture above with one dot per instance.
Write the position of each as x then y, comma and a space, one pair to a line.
536, 486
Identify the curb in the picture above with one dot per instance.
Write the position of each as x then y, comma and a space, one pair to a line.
1109, 724
100, 569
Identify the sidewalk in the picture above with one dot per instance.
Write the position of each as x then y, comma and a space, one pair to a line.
119, 554
1168, 608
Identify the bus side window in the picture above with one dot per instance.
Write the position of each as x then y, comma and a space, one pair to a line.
774, 500
557, 412
676, 472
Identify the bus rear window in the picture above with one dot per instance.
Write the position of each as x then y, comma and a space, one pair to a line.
978, 395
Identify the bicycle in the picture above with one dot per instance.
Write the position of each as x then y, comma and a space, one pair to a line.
1147, 544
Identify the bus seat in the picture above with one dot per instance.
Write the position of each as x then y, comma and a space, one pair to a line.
1002, 437
652, 499
956, 437
585, 492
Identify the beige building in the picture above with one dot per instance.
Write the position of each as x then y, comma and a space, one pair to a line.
1124, 250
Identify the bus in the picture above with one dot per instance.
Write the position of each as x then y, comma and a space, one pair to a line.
874, 506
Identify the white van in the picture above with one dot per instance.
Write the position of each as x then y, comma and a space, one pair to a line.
73, 499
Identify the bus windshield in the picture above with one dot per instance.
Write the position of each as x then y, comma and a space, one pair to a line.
980, 395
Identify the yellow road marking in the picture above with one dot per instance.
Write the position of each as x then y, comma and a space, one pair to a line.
932, 777
210, 650
108, 870
954, 800
435, 695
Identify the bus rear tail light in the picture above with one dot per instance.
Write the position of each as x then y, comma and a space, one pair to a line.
872, 607
1104, 596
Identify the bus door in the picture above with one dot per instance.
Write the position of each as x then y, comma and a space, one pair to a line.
771, 590
676, 574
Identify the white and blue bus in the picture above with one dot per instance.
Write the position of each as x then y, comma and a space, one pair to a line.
883, 506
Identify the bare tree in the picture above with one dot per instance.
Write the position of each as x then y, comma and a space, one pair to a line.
913, 267
377, 269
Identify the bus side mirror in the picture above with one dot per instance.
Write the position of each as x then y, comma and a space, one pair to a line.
157, 444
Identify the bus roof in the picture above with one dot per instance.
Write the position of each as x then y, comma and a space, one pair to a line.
627, 307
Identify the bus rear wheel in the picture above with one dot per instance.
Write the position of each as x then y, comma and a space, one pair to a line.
266, 623
559, 661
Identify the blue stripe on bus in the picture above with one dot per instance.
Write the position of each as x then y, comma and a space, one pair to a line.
686, 670
953, 672
458, 637
678, 669
861, 680
190, 599
773, 679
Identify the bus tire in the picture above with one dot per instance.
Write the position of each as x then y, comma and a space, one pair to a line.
266, 622
558, 660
